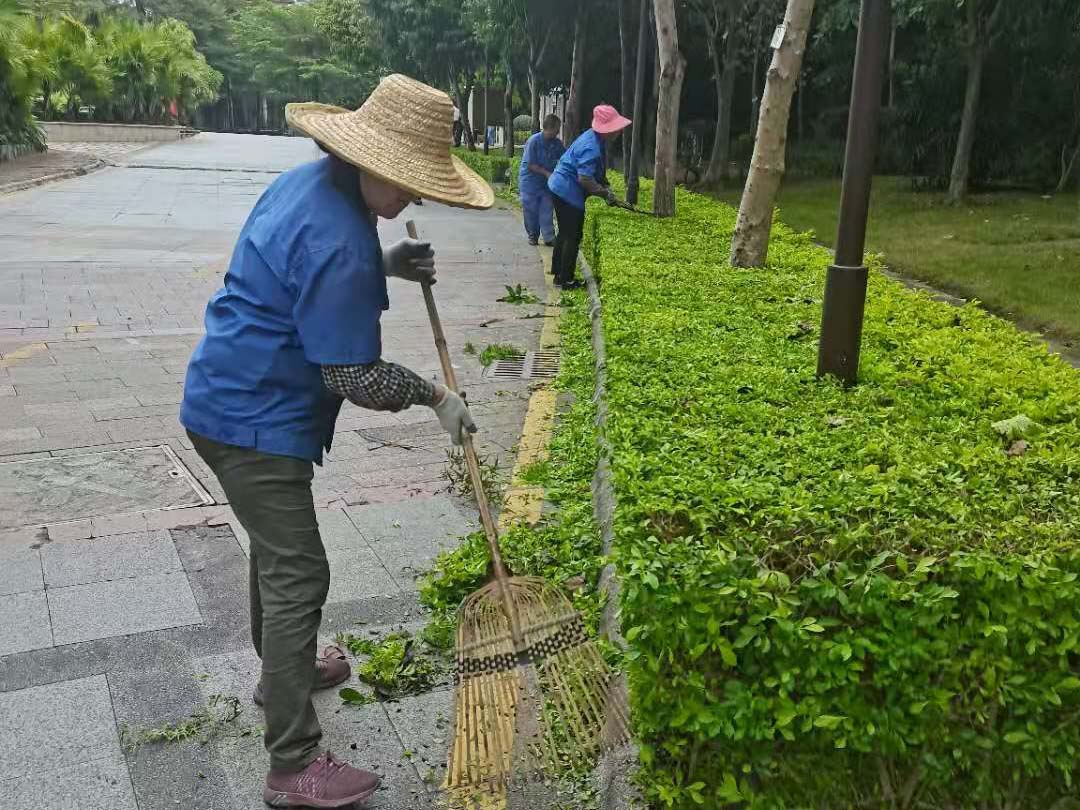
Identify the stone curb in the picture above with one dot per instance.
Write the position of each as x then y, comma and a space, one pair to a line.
21, 185
613, 775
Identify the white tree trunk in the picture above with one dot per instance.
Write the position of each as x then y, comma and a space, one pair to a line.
1067, 165
750, 245
672, 68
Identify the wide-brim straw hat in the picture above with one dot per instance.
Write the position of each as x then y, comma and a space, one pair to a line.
401, 134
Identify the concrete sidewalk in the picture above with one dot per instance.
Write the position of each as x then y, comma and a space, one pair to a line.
122, 590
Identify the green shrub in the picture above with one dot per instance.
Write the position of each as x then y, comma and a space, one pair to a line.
493, 167
18, 130
835, 598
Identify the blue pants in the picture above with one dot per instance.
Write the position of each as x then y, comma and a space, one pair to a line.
538, 209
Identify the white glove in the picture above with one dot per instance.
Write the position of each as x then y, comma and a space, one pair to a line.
453, 414
411, 260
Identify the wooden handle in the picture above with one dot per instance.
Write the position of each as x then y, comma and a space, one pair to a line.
471, 460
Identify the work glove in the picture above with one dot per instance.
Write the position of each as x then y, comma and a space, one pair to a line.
411, 260
453, 414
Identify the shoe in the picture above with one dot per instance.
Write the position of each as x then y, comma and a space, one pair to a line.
572, 284
532, 240
326, 782
549, 244
331, 667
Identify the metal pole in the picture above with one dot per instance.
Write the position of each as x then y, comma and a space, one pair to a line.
639, 105
845, 285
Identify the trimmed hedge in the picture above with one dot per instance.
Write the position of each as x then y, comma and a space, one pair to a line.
835, 598
493, 167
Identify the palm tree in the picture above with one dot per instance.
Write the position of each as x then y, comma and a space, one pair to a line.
70, 63
17, 127
153, 66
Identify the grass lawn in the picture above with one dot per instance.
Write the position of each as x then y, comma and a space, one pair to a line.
1016, 252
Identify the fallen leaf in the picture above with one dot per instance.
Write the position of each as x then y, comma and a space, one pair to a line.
1018, 448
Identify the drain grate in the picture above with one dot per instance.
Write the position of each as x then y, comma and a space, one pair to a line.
543, 365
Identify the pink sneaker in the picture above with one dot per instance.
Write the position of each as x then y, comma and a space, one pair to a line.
331, 668
326, 782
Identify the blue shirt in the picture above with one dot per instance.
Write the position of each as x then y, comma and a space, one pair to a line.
586, 157
542, 152
305, 288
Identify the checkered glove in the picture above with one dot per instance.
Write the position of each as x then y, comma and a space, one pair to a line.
453, 414
411, 260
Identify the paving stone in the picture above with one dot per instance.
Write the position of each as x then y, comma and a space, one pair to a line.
81, 486
19, 434
103, 784
425, 724
103, 559
408, 536
118, 524
363, 736
104, 609
25, 626
71, 530
56, 728
357, 574
20, 570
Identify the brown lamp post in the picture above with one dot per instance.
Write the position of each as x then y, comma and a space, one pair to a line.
845, 285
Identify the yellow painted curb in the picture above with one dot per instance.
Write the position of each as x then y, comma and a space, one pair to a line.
523, 502
22, 353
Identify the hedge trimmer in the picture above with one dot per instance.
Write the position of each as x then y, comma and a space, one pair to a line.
633, 209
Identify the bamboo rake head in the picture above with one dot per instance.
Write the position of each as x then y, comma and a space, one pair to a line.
580, 711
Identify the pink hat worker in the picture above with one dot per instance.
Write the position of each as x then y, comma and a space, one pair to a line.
606, 120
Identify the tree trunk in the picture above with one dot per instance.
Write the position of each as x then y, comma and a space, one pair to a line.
534, 99
892, 67
961, 168
639, 103
508, 109
725, 89
463, 106
572, 120
487, 86
750, 245
755, 78
672, 67
626, 65
536, 59
1067, 165
648, 156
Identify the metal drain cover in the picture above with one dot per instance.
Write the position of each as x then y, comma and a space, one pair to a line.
116, 482
543, 365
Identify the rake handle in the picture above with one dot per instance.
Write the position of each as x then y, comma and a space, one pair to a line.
471, 460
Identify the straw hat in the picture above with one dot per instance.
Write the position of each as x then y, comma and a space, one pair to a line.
402, 135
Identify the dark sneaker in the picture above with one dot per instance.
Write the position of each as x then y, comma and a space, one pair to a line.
549, 243
572, 284
331, 667
532, 240
326, 782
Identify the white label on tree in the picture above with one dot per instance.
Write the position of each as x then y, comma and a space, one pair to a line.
778, 35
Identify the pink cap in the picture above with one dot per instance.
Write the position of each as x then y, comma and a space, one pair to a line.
606, 119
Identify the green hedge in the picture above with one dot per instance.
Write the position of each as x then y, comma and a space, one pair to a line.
836, 598
493, 167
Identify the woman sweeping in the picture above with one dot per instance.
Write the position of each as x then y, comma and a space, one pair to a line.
293, 333
581, 172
